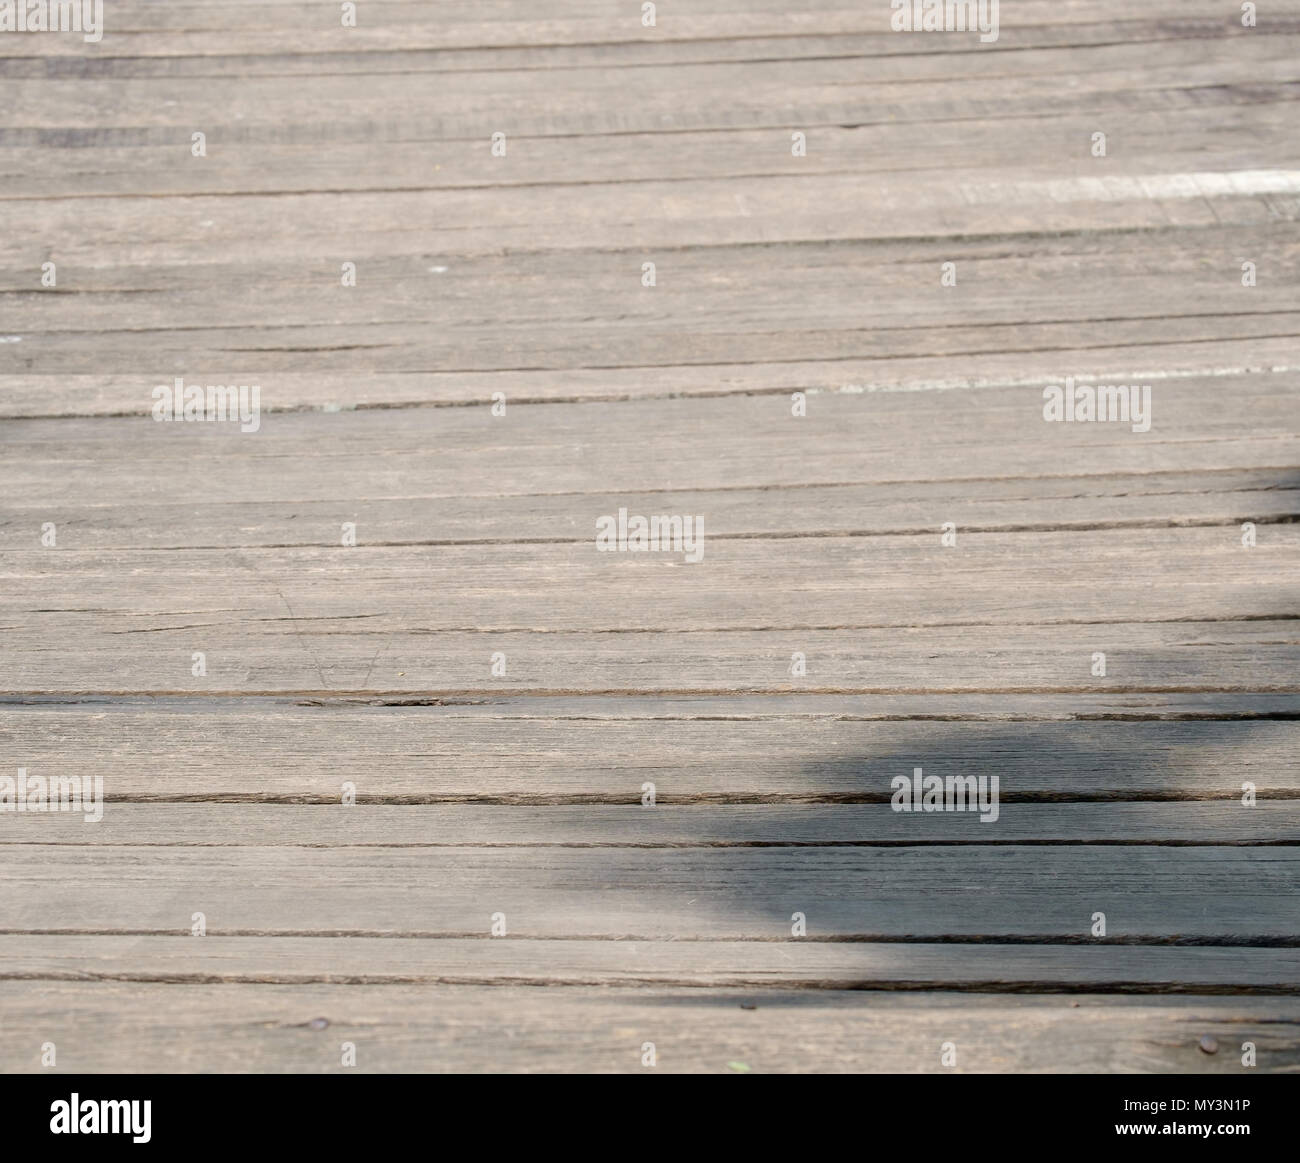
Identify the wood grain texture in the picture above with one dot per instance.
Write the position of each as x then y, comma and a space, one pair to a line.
1031, 504
667, 825
702, 964
778, 748
312, 620
481, 790
152, 1028
1226, 895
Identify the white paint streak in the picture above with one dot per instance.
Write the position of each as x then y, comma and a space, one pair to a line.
1235, 184
1111, 377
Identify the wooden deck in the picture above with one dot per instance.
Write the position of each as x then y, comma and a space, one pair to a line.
498, 692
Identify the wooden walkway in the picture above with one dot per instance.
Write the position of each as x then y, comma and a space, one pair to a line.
499, 694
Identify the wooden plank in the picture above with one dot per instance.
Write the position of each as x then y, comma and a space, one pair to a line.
714, 964
298, 607
671, 95
632, 218
669, 825
777, 748
897, 295
606, 449
603, 449
1221, 895
149, 1028
94, 393
194, 30
132, 161
378, 50
967, 707
1033, 504
371, 654
733, 586
267, 353
480, 317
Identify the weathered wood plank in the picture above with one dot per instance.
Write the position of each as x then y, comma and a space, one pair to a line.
1030, 504
667, 825
604, 449
298, 608
74, 651
776, 748
147, 1028
896, 294
715, 964
966, 707
94, 393
632, 217
1208, 134
1124, 350
403, 27
1228, 894
679, 94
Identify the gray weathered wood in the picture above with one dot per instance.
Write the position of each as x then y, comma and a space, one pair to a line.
713, 964
1040, 504
319, 619
519, 792
554, 750
667, 825
150, 1028
1051, 894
